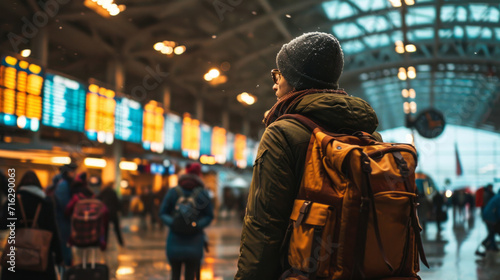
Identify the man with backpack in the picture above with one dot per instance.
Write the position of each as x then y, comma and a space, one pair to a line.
294, 203
61, 191
187, 210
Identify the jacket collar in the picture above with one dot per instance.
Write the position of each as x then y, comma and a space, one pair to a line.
33, 190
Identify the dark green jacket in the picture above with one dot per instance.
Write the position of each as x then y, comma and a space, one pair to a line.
277, 173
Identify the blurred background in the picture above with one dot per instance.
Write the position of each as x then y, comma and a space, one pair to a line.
133, 90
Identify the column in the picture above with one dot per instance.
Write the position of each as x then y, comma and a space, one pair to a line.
199, 108
225, 115
245, 127
112, 173
166, 98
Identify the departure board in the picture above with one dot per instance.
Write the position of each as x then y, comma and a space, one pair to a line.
251, 151
20, 93
63, 103
100, 114
190, 137
205, 139
173, 132
219, 144
240, 150
152, 127
128, 120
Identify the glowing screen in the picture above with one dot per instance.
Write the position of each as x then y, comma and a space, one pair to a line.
63, 103
20, 93
173, 132
128, 120
152, 129
100, 114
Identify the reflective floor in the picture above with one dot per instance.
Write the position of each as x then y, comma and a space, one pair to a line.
450, 254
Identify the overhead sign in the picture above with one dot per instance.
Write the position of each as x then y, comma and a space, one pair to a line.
205, 139
100, 114
63, 103
219, 144
190, 137
20, 93
430, 123
240, 150
152, 129
128, 120
173, 132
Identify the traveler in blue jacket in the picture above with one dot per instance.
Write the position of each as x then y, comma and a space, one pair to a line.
184, 248
491, 216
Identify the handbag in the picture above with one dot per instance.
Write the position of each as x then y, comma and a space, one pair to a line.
32, 245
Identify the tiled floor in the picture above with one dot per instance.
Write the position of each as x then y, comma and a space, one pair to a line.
451, 255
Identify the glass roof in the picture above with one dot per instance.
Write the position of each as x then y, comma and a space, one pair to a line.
354, 22
457, 72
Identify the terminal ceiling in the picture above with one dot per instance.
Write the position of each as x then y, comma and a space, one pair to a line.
457, 58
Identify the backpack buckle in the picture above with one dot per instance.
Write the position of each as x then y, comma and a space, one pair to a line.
303, 212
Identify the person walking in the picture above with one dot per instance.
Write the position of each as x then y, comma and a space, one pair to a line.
31, 199
110, 199
305, 83
491, 216
62, 194
187, 248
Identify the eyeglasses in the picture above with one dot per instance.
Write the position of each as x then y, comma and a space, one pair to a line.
276, 75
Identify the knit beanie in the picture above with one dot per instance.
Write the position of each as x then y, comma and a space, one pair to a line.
194, 168
312, 60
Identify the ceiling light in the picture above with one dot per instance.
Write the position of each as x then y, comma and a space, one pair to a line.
179, 50
128, 165
406, 107
158, 46
412, 93
411, 48
402, 73
214, 73
413, 107
246, 98
395, 3
412, 73
207, 77
25, 53
410, 2
404, 92
61, 160
95, 162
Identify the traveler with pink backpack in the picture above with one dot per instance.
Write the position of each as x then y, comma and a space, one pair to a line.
89, 226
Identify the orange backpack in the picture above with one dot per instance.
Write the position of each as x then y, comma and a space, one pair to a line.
355, 213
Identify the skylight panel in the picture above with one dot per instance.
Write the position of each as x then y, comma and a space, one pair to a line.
421, 15
336, 10
374, 23
480, 12
376, 41
352, 47
472, 31
347, 30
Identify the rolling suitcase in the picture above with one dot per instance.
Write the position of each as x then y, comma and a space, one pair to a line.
83, 271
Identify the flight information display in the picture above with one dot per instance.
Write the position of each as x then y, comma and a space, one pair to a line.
205, 139
20, 93
63, 103
100, 114
152, 128
173, 132
190, 137
219, 144
252, 147
128, 120
240, 150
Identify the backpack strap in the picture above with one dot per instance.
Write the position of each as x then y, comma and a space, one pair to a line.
367, 200
23, 213
403, 167
179, 191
